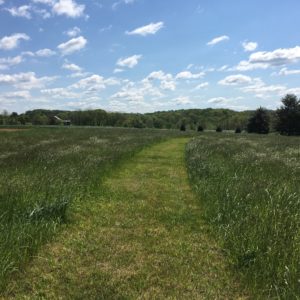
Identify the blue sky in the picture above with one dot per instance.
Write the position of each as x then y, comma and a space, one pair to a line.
148, 55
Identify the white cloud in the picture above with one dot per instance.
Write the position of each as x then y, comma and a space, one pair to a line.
217, 40
116, 4
295, 91
277, 57
21, 11
107, 28
25, 81
245, 65
223, 68
190, 66
227, 103
166, 80
112, 81
49, 2
75, 31
69, 8
88, 103
13, 41
6, 63
71, 67
92, 83
286, 71
202, 86
151, 28
249, 46
266, 59
28, 53
235, 80
183, 100
115, 105
42, 12
79, 74
129, 62
40, 53
45, 52
260, 89
189, 75
160, 75
168, 85
135, 93
63, 93
118, 70
72, 45
218, 100
129, 95
1, 2
16, 95
26, 11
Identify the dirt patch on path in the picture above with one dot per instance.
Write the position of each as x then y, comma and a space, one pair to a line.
11, 129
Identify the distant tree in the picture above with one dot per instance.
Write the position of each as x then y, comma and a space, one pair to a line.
200, 128
288, 116
22, 119
40, 119
259, 122
13, 119
182, 127
4, 117
238, 130
192, 126
157, 123
138, 123
219, 129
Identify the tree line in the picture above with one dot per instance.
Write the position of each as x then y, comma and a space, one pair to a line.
285, 120
191, 119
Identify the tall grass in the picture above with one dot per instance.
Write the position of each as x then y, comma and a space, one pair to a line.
43, 171
250, 188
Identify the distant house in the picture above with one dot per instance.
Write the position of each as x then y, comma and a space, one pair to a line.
65, 122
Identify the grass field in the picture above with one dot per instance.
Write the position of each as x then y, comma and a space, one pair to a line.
143, 237
95, 213
250, 188
44, 170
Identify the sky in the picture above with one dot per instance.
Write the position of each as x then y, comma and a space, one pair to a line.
148, 55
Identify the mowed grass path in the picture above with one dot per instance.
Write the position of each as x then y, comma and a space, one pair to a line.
142, 238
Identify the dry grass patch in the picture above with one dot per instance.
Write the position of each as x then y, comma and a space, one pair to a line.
11, 129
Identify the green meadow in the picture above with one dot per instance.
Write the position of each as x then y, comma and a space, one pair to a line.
249, 186
111, 213
44, 171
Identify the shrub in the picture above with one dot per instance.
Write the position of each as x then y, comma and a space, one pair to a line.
182, 127
219, 129
238, 130
200, 128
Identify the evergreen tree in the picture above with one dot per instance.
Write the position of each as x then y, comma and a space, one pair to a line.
259, 122
238, 130
288, 116
200, 128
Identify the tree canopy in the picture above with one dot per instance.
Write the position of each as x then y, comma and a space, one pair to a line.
259, 122
288, 116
